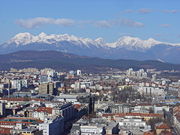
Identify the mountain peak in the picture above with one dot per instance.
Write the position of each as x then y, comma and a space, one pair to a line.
22, 35
21, 38
100, 40
126, 47
42, 34
128, 42
134, 43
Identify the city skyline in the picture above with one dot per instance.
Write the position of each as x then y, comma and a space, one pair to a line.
89, 67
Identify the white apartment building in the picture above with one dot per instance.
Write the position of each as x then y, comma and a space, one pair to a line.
91, 130
151, 91
52, 126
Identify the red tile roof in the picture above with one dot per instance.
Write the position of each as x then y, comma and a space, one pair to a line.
133, 114
5, 131
163, 126
166, 133
12, 122
44, 109
77, 106
149, 133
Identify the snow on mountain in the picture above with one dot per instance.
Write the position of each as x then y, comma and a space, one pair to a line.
27, 38
133, 43
21, 38
125, 41
125, 47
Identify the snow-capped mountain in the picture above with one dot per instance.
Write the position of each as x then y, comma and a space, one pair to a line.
133, 42
27, 38
125, 47
125, 41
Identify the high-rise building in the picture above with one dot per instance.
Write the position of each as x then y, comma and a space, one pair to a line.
46, 88
49, 126
2, 109
19, 84
91, 104
43, 88
51, 89
78, 72
16, 84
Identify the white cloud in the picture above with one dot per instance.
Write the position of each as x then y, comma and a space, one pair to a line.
103, 23
144, 10
171, 11
35, 22
129, 11
165, 25
118, 22
38, 21
131, 23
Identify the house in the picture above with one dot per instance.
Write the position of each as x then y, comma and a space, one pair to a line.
162, 127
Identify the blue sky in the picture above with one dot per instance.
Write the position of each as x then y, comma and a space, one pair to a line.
109, 19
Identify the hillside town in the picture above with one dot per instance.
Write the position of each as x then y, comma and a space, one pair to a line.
48, 102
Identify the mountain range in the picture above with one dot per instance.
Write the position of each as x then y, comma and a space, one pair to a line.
65, 61
125, 47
